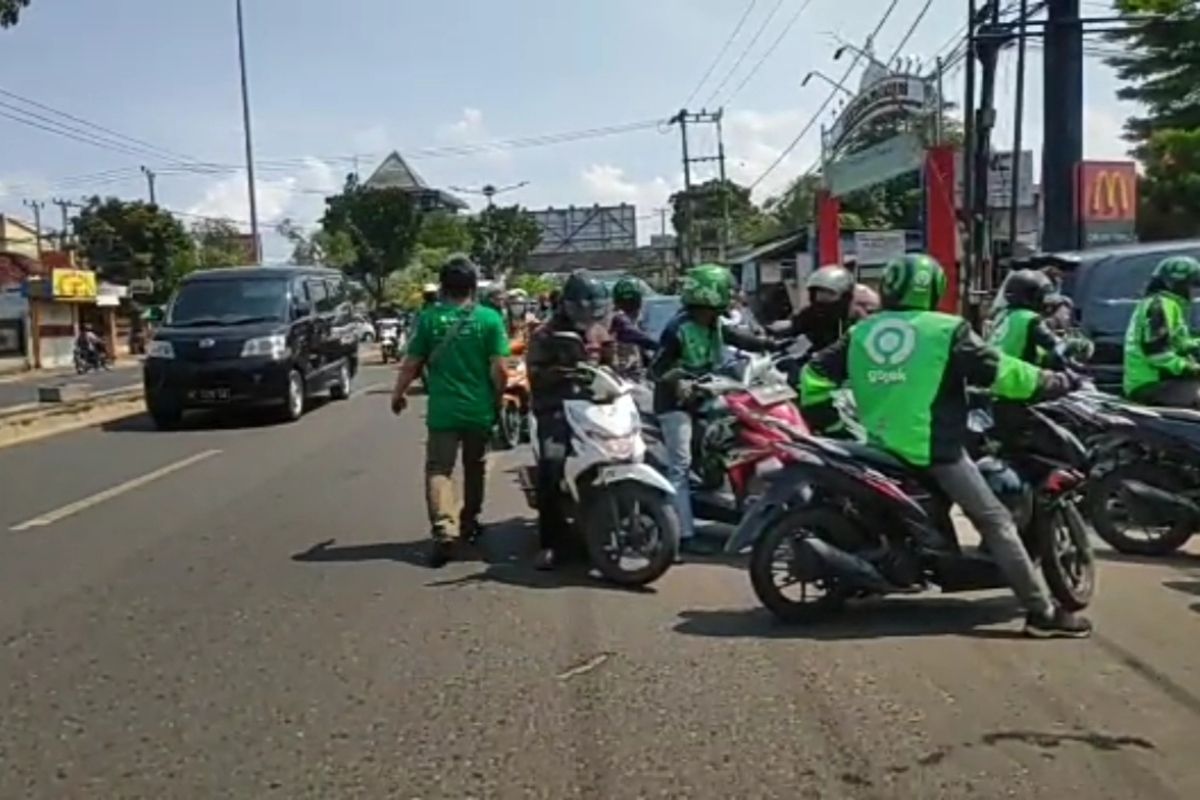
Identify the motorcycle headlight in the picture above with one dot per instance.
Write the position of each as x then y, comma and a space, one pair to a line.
157, 348
274, 347
620, 449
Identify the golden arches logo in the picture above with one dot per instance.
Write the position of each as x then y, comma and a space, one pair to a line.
1111, 195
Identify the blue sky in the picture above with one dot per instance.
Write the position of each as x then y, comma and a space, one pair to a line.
329, 81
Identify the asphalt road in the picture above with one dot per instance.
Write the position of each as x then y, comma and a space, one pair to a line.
241, 610
24, 388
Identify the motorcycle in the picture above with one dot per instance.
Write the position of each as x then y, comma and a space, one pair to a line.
846, 520
746, 413
1144, 493
619, 505
513, 424
389, 340
91, 359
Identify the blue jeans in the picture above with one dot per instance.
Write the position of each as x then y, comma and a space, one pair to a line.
677, 437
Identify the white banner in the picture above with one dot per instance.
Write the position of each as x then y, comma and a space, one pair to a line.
875, 164
877, 247
1000, 178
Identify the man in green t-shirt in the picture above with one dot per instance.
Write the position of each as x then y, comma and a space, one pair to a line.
461, 346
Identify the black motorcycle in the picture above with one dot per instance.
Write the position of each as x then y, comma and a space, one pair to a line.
847, 520
1144, 491
91, 359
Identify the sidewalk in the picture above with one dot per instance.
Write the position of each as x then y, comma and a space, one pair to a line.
21, 388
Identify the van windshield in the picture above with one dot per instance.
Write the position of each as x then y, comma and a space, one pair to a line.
229, 302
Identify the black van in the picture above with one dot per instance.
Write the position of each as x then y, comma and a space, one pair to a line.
1105, 285
252, 336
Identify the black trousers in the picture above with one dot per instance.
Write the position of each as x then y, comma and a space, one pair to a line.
554, 437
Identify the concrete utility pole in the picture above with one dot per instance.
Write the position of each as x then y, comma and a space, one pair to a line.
1018, 123
63, 206
246, 127
150, 176
1062, 110
37, 207
687, 239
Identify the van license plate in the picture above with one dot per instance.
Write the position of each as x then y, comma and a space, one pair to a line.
211, 395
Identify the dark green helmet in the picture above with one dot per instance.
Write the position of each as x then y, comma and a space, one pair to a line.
585, 299
708, 286
915, 282
1176, 274
626, 290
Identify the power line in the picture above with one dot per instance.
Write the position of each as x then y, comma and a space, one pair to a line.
911, 30
745, 51
721, 53
821, 110
775, 44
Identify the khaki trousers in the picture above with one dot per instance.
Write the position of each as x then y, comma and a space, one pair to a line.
441, 454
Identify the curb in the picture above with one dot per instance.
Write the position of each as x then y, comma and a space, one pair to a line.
35, 409
18, 426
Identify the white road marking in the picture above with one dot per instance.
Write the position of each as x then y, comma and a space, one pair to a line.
51, 517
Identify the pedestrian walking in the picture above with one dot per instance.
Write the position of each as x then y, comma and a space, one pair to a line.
461, 346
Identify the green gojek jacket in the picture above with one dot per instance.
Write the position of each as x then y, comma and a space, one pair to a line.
1158, 342
909, 372
1022, 333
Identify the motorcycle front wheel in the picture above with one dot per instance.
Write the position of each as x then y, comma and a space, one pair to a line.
631, 532
781, 582
1068, 562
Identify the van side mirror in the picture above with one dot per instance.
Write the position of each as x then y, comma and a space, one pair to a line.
301, 309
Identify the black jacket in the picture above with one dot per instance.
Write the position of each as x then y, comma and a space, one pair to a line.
549, 358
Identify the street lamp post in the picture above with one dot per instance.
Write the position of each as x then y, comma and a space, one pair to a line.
249, 142
816, 73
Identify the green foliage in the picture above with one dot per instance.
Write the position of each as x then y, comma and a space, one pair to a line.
381, 225
746, 221
533, 285
320, 247
502, 237
1160, 65
445, 231
218, 244
127, 240
10, 11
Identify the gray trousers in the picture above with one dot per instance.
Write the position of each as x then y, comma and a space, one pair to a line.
1172, 392
964, 485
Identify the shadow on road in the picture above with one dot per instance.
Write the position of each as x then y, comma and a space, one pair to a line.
210, 420
415, 553
872, 619
1172, 560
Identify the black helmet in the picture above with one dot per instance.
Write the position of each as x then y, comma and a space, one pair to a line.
585, 299
1027, 288
458, 276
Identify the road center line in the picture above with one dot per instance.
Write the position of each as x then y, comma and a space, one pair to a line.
51, 517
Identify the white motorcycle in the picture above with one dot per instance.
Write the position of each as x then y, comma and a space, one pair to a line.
620, 505
390, 340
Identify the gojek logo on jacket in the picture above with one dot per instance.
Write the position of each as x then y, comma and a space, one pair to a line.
890, 345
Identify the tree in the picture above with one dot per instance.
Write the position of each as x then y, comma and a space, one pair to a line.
10, 12
382, 225
502, 237
533, 285
218, 244
707, 215
445, 231
128, 240
1159, 62
320, 247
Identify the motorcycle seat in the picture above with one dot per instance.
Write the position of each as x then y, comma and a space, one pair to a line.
874, 456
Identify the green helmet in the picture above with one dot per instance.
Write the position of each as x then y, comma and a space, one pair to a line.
626, 290
916, 282
1176, 274
708, 286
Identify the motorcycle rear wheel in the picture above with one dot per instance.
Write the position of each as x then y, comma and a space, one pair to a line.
603, 517
820, 596
1103, 507
1068, 562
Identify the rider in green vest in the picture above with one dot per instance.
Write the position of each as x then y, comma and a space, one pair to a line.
1161, 367
908, 368
691, 346
1019, 328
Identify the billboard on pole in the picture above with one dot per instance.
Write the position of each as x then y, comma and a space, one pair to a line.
586, 229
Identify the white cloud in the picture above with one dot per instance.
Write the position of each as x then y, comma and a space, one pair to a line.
754, 139
470, 129
1102, 129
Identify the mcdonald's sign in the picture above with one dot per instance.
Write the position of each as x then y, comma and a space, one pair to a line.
1107, 191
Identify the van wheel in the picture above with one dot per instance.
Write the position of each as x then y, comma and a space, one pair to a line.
340, 389
293, 401
165, 418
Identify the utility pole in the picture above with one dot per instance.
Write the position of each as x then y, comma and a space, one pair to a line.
63, 206
1018, 123
687, 234
150, 176
967, 273
1062, 110
246, 127
989, 39
37, 207
662, 220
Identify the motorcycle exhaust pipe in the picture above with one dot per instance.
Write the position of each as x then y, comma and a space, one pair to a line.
1153, 506
817, 556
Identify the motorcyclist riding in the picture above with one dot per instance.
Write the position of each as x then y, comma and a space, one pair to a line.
1018, 328
632, 343
908, 368
863, 302
826, 317
1161, 366
693, 345
575, 334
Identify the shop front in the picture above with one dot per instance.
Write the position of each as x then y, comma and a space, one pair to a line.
58, 305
